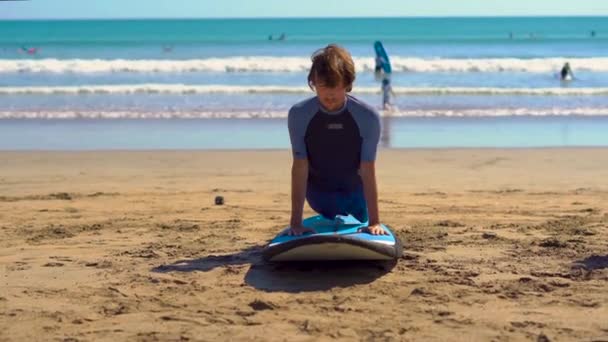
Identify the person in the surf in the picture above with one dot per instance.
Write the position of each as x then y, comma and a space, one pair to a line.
379, 64
387, 94
29, 50
566, 73
334, 138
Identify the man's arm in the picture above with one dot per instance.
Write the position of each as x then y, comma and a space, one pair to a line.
368, 176
297, 122
299, 175
370, 132
299, 178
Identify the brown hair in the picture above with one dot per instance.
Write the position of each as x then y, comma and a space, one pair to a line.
332, 66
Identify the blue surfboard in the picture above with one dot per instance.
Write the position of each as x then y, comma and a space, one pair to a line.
383, 56
344, 238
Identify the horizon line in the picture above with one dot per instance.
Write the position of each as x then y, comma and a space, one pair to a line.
322, 17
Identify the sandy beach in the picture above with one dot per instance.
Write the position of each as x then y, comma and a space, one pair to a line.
500, 245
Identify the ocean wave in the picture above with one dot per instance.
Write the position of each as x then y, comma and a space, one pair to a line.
184, 89
296, 64
274, 114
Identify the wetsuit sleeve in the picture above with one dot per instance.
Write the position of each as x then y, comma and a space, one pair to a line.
368, 120
371, 136
296, 123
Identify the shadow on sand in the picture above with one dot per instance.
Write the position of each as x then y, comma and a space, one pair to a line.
594, 262
290, 277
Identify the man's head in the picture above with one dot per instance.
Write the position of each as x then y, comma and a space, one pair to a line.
332, 75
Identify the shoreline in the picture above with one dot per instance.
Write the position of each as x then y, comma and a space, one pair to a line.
256, 150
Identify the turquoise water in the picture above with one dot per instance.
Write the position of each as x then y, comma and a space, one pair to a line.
236, 31
228, 69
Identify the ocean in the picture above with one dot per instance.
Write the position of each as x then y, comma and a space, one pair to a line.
154, 84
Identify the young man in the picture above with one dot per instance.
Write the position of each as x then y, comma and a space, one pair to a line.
334, 138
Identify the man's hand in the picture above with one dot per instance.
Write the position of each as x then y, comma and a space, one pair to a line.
298, 229
376, 229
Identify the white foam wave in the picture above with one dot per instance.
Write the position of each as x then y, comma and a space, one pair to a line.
273, 114
534, 65
297, 64
179, 89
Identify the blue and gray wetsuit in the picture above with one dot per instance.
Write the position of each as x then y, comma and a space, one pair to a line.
335, 143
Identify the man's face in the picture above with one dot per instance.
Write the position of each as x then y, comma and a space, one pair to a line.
332, 99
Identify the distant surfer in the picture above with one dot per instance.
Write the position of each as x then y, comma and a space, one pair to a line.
29, 51
387, 94
566, 73
592, 34
282, 36
387, 106
334, 139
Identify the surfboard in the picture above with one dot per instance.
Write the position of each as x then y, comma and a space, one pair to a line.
344, 238
381, 52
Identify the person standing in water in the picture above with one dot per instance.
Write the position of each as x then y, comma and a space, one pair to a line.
379, 62
566, 73
387, 106
387, 94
